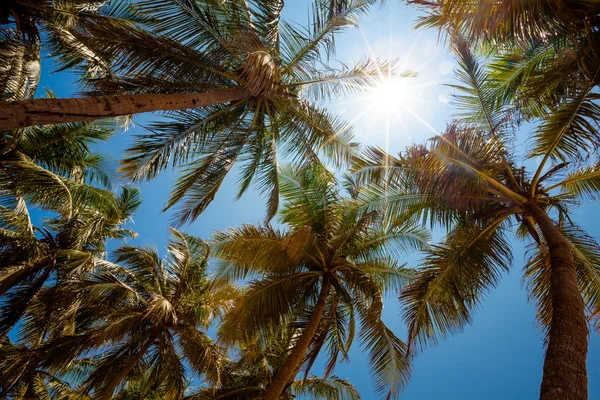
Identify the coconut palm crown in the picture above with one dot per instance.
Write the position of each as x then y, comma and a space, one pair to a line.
145, 320
328, 269
36, 260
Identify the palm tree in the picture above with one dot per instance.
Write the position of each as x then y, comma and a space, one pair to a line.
146, 320
249, 84
35, 262
27, 25
468, 181
54, 167
207, 54
258, 361
24, 379
332, 266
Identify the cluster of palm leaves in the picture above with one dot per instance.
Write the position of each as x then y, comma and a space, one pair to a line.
84, 314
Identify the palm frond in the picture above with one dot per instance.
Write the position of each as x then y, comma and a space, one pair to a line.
249, 249
583, 183
345, 80
455, 275
333, 388
264, 304
569, 132
478, 102
300, 48
586, 254
389, 360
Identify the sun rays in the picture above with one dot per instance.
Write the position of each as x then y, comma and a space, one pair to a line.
397, 109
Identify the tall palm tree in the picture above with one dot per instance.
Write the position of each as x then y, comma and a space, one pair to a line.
249, 83
37, 258
469, 181
206, 54
146, 320
258, 361
331, 266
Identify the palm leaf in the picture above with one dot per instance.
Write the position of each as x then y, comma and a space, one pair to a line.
455, 275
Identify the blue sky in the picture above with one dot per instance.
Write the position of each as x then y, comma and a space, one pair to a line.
500, 355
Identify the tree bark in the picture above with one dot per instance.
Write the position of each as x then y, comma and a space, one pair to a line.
565, 371
289, 369
107, 392
23, 113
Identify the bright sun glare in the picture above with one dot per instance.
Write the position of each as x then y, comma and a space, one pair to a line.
393, 99
390, 95
400, 102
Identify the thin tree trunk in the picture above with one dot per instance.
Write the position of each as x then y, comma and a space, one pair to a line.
23, 113
107, 392
287, 372
565, 372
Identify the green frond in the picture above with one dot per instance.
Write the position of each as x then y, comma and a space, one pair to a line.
19, 65
68, 19
201, 25
301, 47
375, 166
583, 183
201, 180
478, 102
249, 249
388, 355
40, 185
201, 352
586, 254
345, 80
16, 301
16, 219
512, 69
341, 329
385, 272
144, 263
265, 303
178, 141
454, 277
307, 131
129, 200
309, 195
569, 132
394, 241
400, 205
333, 388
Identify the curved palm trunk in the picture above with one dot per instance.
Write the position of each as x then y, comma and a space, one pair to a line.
287, 372
107, 392
23, 113
565, 372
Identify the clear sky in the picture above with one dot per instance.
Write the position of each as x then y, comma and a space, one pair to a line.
500, 355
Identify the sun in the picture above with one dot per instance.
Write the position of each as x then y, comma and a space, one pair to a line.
390, 96
398, 105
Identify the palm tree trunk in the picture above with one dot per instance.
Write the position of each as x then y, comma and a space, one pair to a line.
565, 372
23, 113
107, 392
288, 370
